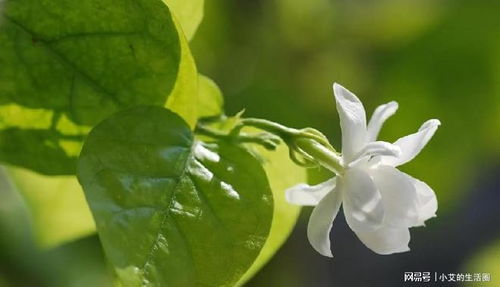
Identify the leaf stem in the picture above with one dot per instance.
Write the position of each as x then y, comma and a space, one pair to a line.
267, 140
308, 147
285, 133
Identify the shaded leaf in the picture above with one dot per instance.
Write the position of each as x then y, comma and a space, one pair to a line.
282, 173
170, 210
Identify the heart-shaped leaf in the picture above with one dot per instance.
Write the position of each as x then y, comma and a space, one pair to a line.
67, 65
170, 210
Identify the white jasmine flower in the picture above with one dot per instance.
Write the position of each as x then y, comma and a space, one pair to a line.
380, 202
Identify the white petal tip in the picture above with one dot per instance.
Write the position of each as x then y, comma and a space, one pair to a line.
393, 104
430, 124
391, 107
323, 246
288, 197
290, 192
337, 86
406, 249
390, 252
342, 93
338, 90
325, 252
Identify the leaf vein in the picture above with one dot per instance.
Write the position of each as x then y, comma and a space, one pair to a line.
153, 248
66, 62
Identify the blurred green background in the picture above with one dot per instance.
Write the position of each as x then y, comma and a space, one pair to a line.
278, 59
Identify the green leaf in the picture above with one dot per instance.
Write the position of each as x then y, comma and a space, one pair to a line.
170, 210
56, 204
73, 63
184, 97
210, 100
189, 13
282, 173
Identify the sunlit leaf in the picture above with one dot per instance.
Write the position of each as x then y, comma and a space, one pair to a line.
210, 100
189, 13
66, 65
56, 205
184, 95
170, 210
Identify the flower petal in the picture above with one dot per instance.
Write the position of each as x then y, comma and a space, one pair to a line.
399, 197
386, 240
321, 221
412, 144
352, 121
363, 206
380, 115
378, 148
303, 194
427, 201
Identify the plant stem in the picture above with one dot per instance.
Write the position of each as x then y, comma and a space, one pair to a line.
267, 140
